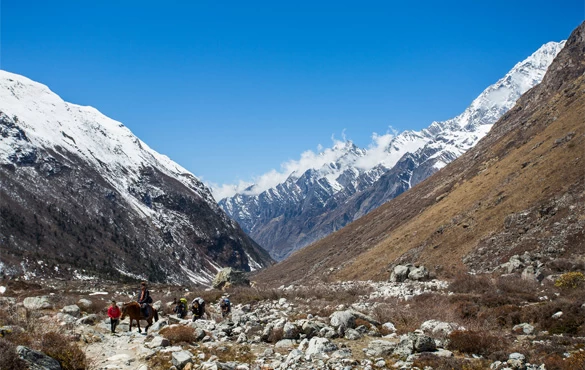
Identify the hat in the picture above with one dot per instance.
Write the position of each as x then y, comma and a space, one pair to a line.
113, 301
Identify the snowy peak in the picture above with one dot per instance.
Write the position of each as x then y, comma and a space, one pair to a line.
81, 185
324, 182
50, 122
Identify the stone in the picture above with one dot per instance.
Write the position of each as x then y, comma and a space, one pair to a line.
158, 325
37, 303
181, 358
87, 320
557, 315
157, 305
352, 334
65, 318
439, 329
342, 320
290, 331
380, 348
231, 276
424, 343
72, 310
443, 353
516, 361
84, 303
285, 343
37, 360
319, 346
389, 327
405, 347
399, 273
523, 328
418, 273
158, 342
342, 353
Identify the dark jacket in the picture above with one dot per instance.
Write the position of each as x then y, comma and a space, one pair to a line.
144, 298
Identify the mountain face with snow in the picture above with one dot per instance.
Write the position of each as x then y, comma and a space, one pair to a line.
82, 196
353, 181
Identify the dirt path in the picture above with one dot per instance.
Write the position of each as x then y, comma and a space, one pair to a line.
123, 350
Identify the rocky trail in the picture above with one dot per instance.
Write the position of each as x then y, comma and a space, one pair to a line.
361, 325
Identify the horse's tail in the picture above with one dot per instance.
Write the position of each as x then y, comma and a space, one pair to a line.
155, 315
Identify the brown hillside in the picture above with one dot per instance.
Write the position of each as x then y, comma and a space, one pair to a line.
522, 188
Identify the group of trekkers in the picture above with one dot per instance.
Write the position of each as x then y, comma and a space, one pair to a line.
197, 307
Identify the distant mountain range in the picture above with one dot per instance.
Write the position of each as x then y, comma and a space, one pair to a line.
512, 203
350, 181
81, 196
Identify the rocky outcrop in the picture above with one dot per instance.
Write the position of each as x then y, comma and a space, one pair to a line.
230, 276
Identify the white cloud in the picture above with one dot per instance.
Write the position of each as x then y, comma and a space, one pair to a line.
376, 153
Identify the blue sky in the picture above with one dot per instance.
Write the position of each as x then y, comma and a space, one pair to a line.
230, 90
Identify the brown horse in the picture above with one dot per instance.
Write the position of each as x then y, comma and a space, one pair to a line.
133, 310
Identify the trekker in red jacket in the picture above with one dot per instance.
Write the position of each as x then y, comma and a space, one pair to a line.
114, 314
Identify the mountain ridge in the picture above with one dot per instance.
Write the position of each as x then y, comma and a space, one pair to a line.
519, 192
298, 212
80, 190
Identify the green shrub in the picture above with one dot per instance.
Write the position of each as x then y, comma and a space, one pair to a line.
570, 280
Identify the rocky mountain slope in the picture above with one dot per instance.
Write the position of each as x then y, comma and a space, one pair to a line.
350, 181
520, 189
82, 196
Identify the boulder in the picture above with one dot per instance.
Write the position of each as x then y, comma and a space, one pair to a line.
380, 348
389, 327
418, 273
37, 303
84, 303
424, 343
158, 342
159, 325
65, 318
72, 310
181, 358
37, 360
231, 276
342, 320
290, 331
523, 328
87, 320
352, 334
319, 347
439, 329
399, 273
285, 343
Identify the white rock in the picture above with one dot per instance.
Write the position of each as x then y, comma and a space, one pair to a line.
37, 303
72, 310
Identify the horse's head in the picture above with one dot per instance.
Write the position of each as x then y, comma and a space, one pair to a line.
124, 310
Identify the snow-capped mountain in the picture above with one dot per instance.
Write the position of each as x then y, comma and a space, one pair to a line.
80, 191
346, 182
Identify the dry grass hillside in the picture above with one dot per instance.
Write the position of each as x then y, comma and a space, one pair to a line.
522, 188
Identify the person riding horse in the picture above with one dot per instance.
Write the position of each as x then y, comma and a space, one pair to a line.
144, 299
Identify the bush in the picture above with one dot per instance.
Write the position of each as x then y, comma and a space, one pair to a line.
474, 342
570, 280
466, 283
8, 357
59, 347
576, 361
178, 334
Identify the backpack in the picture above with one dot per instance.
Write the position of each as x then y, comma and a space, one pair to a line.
183, 301
225, 303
